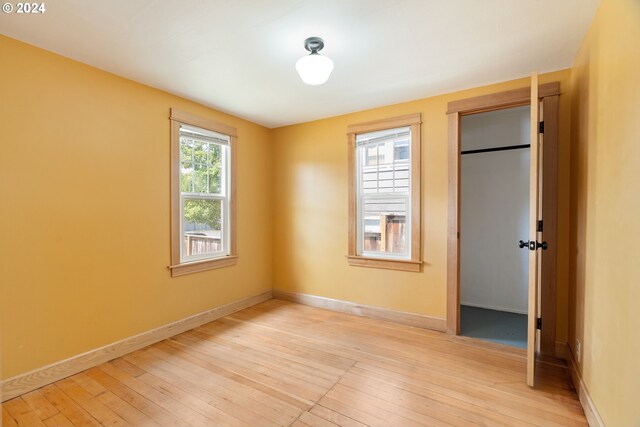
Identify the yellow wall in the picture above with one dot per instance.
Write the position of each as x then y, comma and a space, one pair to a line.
85, 221
310, 209
85, 210
605, 209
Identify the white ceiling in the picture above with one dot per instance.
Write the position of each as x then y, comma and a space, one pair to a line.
239, 56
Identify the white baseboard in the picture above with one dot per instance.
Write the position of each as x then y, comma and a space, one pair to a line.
590, 410
411, 319
489, 307
24, 383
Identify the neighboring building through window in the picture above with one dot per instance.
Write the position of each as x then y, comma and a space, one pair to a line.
203, 179
384, 190
385, 194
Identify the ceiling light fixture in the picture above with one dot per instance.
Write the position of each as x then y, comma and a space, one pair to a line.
314, 69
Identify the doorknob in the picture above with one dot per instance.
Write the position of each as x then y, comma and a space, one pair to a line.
532, 246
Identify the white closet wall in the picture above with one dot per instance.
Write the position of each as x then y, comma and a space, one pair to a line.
494, 211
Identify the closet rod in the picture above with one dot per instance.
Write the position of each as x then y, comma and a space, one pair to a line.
488, 150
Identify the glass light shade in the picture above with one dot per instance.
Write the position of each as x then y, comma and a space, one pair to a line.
314, 69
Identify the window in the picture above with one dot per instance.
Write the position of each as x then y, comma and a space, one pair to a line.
202, 190
384, 200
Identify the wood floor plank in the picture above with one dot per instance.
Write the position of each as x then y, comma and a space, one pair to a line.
362, 346
58, 420
465, 388
226, 379
126, 411
436, 405
208, 361
89, 403
319, 364
199, 400
68, 407
185, 414
179, 381
261, 372
274, 360
284, 364
398, 347
127, 367
22, 413
240, 360
89, 384
198, 383
388, 411
7, 419
465, 393
306, 349
315, 421
371, 419
335, 417
153, 410
40, 405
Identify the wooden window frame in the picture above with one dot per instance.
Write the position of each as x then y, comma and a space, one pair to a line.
413, 264
177, 267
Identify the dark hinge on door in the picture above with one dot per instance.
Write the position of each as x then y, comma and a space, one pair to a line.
539, 323
540, 225
542, 127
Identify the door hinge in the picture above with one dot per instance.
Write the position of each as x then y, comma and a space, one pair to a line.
540, 225
541, 128
539, 323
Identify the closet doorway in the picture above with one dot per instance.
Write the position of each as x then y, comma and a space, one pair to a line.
461, 263
494, 215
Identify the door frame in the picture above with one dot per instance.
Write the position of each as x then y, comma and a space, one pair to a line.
548, 95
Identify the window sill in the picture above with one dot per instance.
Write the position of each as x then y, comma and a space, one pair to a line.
202, 265
389, 264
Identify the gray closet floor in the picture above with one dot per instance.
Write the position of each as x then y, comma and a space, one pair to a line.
492, 325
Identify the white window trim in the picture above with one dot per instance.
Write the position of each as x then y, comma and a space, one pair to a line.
356, 256
223, 196
179, 264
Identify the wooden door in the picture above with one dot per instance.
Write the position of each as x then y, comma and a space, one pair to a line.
533, 245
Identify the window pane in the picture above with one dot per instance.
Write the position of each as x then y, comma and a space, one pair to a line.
384, 188
401, 151
215, 169
186, 150
385, 234
201, 184
203, 196
385, 225
202, 227
401, 178
200, 150
385, 154
215, 154
384, 165
371, 156
201, 166
186, 177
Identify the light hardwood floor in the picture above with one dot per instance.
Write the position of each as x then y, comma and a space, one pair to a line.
285, 364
